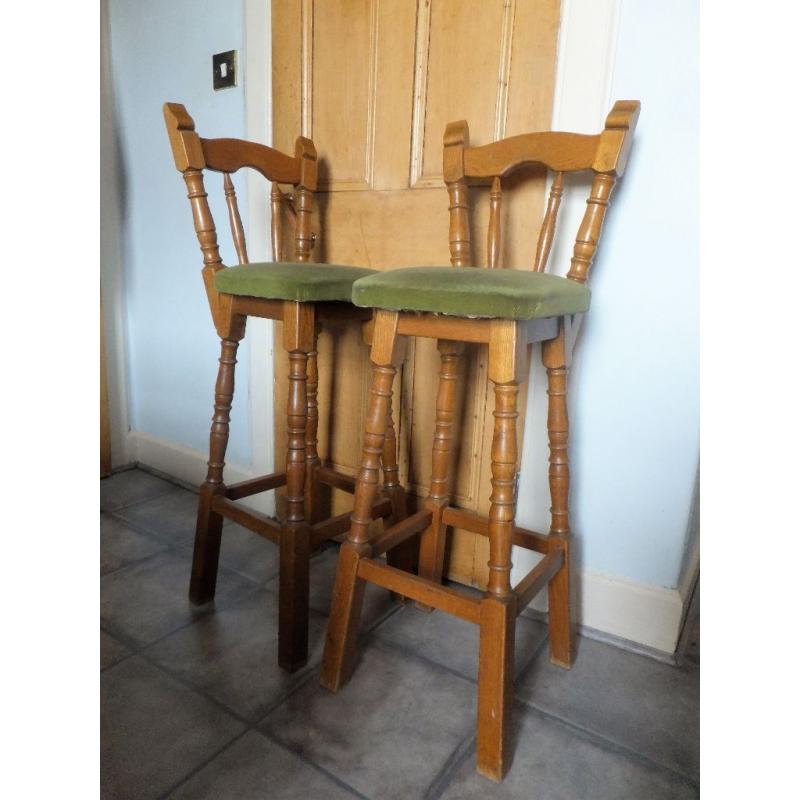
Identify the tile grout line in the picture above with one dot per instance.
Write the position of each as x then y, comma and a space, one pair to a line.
605, 743
138, 649
249, 725
586, 733
306, 760
141, 651
172, 546
196, 689
137, 502
177, 547
444, 778
446, 774
307, 674
407, 651
201, 765
594, 736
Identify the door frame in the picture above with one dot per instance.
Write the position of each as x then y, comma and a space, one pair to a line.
258, 128
112, 304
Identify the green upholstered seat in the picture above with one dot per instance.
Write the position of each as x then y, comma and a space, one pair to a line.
284, 280
472, 292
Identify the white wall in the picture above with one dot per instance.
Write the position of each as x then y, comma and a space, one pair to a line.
634, 404
162, 51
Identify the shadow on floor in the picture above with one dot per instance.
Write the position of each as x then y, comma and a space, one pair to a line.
194, 705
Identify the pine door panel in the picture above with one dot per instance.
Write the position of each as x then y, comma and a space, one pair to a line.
374, 82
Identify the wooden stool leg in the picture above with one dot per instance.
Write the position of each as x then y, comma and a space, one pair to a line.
313, 510
560, 623
208, 533
348, 592
495, 686
433, 539
404, 555
498, 609
295, 537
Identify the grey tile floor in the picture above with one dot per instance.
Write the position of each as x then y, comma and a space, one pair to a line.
194, 705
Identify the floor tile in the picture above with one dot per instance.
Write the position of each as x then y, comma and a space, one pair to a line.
111, 650
149, 599
377, 600
453, 642
232, 654
249, 554
131, 486
154, 731
650, 707
553, 762
121, 545
171, 516
254, 768
389, 732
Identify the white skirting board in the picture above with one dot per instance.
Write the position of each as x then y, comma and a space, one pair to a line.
644, 615
648, 616
189, 466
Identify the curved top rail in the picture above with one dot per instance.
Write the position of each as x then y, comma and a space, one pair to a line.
230, 155
606, 151
560, 152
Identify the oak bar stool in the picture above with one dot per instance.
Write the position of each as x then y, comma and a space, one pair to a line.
301, 294
506, 309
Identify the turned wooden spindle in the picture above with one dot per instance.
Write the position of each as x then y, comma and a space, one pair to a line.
313, 461
404, 555
460, 255
591, 227
374, 435
433, 539
558, 435
304, 238
237, 231
549, 224
445, 412
504, 487
494, 235
223, 400
203, 221
276, 222
391, 470
560, 623
296, 440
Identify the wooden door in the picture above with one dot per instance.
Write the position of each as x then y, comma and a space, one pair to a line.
374, 82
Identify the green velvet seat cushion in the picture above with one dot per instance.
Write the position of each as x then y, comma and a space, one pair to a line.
284, 280
472, 292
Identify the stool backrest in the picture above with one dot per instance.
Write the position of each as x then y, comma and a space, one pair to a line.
605, 154
193, 154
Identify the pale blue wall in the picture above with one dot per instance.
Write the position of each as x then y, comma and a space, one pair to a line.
161, 50
635, 404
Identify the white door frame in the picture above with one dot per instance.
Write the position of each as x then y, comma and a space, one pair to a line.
111, 273
258, 128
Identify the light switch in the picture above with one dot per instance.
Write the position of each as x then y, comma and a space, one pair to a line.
224, 65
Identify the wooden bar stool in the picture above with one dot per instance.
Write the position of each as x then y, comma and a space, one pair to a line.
506, 309
302, 295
